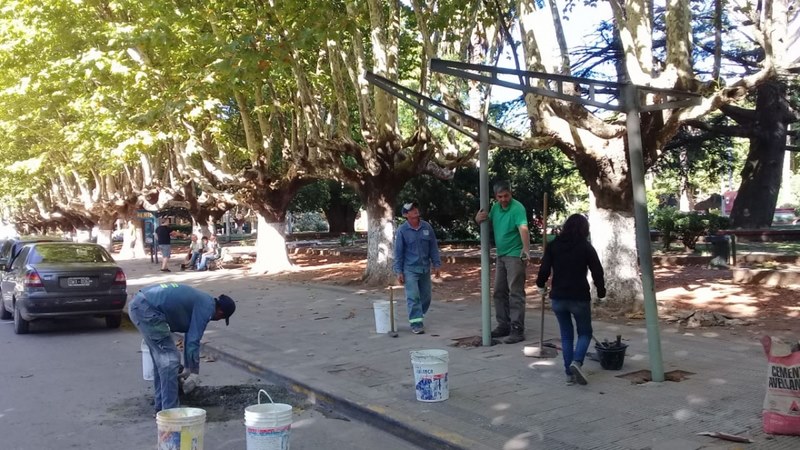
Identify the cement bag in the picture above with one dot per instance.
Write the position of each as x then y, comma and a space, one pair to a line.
782, 403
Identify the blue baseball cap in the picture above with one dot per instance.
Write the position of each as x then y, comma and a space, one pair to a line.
409, 206
228, 307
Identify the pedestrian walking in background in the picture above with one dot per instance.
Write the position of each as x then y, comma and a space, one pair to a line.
509, 222
131, 235
415, 251
161, 309
569, 257
164, 238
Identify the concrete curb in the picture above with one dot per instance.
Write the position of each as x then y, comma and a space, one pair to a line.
343, 406
353, 410
401, 428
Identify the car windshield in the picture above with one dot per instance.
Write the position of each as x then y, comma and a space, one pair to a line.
66, 253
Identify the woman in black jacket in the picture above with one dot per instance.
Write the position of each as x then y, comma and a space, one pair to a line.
568, 257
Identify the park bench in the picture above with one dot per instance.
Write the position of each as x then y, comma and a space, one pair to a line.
723, 244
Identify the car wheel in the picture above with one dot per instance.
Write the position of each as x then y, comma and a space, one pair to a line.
114, 321
20, 324
4, 314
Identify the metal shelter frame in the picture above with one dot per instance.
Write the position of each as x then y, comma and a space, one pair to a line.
467, 125
621, 97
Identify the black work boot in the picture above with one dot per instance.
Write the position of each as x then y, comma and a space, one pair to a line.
517, 335
500, 331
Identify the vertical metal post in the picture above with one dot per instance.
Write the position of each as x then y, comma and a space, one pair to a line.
228, 226
483, 170
730, 169
630, 96
722, 196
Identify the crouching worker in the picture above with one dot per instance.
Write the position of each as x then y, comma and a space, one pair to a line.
160, 309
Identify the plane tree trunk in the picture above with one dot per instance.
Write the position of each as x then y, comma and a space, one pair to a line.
762, 173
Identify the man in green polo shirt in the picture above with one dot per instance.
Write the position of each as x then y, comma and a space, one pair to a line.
509, 221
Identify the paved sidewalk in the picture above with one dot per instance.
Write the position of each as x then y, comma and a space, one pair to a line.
321, 341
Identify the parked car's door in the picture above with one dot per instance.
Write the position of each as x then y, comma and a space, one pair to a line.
10, 277
5, 252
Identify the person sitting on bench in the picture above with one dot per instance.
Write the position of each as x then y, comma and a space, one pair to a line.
196, 249
211, 253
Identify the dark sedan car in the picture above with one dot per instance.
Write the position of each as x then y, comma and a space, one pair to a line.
61, 279
10, 248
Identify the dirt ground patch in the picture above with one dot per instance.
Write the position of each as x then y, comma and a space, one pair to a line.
678, 289
222, 403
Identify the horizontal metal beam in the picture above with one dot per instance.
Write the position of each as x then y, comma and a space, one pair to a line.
469, 126
669, 105
543, 91
438, 64
478, 72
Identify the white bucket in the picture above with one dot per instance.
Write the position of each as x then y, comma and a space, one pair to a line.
382, 323
181, 428
430, 375
147, 363
268, 425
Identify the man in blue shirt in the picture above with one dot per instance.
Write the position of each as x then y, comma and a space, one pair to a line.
161, 309
415, 249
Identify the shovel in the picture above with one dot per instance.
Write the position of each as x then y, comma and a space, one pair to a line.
392, 332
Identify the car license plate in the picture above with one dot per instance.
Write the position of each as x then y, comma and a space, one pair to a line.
83, 300
79, 281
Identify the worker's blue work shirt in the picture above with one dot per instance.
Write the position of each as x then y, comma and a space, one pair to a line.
186, 310
415, 249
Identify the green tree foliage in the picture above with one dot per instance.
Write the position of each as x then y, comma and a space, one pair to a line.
698, 160
449, 206
686, 226
338, 201
312, 197
532, 174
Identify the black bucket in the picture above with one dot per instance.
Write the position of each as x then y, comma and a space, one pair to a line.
611, 358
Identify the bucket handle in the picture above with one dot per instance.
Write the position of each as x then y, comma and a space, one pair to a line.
265, 393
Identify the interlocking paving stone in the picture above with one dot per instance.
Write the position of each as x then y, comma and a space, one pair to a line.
498, 398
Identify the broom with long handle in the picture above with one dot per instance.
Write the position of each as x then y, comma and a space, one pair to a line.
541, 351
392, 331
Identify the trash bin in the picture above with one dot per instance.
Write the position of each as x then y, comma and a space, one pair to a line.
720, 246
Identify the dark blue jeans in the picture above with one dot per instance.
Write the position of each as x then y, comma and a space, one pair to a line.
581, 310
418, 295
166, 358
195, 258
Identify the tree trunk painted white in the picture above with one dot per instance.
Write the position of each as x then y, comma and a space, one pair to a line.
203, 230
133, 235
785, 196
210, 226
105, 227
380, 245
271, 256
197, 229
687, 197
613, 236
686, 201
104, 238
